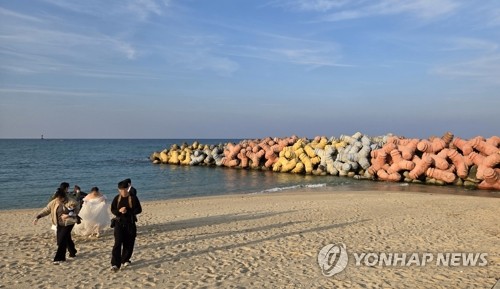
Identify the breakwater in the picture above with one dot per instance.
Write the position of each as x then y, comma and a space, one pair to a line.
474, 163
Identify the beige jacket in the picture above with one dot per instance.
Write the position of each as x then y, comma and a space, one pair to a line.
51, 209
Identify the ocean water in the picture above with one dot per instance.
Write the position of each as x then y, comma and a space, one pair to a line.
32, 169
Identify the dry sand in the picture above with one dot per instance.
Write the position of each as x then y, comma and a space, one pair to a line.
267, 241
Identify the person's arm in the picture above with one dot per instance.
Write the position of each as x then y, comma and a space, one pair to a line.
44, 212
114, 207
137, 207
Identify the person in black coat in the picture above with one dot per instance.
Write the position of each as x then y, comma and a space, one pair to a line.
125, 207
78, 195
131, 190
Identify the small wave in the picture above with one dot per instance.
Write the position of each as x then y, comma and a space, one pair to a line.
315, 186
279, 189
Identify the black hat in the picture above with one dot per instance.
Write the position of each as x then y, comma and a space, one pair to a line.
123, 185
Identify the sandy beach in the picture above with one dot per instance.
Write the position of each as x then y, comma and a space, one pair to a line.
268, 241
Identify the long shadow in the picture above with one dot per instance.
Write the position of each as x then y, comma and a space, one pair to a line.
205, 221
190, 254
183, 224
224, 234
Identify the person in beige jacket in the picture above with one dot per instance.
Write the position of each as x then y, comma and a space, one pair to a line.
59, 216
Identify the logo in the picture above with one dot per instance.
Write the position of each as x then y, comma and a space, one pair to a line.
332, 259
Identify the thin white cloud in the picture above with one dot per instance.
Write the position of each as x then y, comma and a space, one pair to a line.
313, 5
204, 59
9, 13
345, 15
483, 15
281, 48
38, 91
494, 17
110, 73
89, 7
139, 9
197, 52
338, 10
485, 68
201, 40
221, 65
420, 8
126, 48
310, 57
29, 63
66, 50
145, 8
466, 43
480, 60
46, 44
17, 69
273, 47
19, 63
57, 44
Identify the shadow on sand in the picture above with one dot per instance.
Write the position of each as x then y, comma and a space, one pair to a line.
198, 222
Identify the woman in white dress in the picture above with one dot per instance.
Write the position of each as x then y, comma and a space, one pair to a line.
94, 213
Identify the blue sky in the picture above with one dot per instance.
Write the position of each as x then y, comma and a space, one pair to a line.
248, 69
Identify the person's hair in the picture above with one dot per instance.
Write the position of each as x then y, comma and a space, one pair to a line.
77, 187
94, 189
123, 185
63, 186
71, 204
128, 181
60, 193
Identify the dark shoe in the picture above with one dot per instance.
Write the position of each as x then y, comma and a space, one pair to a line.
73, 255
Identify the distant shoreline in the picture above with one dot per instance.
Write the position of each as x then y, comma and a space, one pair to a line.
314, 190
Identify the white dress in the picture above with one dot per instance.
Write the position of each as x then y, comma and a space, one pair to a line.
96, 216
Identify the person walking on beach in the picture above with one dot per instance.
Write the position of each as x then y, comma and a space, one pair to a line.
131, 189
63, 187
78, 195
124, 207
94, 213
60, 217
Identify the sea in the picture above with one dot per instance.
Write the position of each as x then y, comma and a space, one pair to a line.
32, 169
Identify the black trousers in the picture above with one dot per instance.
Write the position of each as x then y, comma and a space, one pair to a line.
124, 243
64, 242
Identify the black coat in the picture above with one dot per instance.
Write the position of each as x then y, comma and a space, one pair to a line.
129, 216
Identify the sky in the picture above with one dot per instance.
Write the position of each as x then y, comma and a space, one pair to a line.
248, 68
